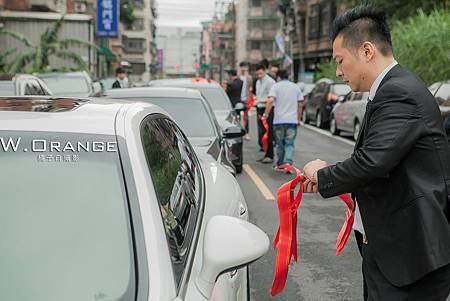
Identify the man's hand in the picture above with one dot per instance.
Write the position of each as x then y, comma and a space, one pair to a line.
310, 171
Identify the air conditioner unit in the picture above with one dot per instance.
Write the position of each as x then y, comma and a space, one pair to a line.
51, 5
80, 7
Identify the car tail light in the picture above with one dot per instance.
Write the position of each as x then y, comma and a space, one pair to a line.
332, 97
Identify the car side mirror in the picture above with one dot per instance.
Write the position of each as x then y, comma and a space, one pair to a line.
239, 107
233, 132
229, 243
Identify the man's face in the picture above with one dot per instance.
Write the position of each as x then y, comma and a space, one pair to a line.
260, 73
274, 70
243, 70
121, 75
351, 67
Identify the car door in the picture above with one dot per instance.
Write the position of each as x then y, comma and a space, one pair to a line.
179, 187
350, 108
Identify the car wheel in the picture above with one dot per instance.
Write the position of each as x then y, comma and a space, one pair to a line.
319, 121
305, 117
356, 130
333, 126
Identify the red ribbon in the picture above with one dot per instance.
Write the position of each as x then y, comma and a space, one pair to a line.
250, 104
265, 137
286, 238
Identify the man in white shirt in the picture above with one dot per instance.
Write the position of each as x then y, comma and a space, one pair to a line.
285, 97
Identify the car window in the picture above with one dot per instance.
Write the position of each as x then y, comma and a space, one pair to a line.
443, 95
189, 113
7, 88
176, 178
321, 88
341, 89
67, 85
64, 222
216, 98
32, 87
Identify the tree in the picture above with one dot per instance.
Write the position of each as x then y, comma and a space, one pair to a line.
38, 56
421, 43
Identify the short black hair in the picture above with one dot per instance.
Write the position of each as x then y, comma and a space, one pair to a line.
232, 72
363, 23
265, 63
120, 70
243, 64
283, 74
260, 67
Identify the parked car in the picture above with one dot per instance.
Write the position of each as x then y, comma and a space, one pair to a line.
441, 91
348, 114
226, 115
22, 84
321, 101
193, 114
305, 88
117, 206
72, 84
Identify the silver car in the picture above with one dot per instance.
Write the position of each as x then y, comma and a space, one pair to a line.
348, 114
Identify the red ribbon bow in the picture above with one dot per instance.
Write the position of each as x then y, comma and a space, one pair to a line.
265, 137
286, 238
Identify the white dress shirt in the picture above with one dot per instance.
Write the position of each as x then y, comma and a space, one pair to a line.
357, 224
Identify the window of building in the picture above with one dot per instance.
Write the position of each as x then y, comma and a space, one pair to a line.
256, 3
313, 21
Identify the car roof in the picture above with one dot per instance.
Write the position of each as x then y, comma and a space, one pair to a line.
186, 83
154, 92
52, 114
53, 74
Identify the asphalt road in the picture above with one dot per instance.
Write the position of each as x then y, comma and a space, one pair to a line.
319, 274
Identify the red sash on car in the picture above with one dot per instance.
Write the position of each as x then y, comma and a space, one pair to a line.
286, 238
265, 137
250, 104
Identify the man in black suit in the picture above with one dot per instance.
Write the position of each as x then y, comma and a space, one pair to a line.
399, 172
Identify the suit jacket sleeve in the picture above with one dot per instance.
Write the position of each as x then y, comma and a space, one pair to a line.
393, 127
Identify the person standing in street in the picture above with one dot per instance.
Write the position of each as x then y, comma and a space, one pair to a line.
263, 86
234, 87
399, 172
285, 97
121, 79
246, 92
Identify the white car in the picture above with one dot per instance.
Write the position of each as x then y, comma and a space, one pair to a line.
106, 200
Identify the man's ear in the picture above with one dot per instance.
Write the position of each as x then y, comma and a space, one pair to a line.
368, 50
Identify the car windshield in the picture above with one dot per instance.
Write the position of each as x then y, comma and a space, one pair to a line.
341, 89
189, 113
216, 97
443, 95
7, 88
64, 220
62, 85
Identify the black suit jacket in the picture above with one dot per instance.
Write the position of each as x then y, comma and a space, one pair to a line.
399, 173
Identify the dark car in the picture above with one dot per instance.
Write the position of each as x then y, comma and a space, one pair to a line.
217, 98
192, 113
441, 91
22, 84
72, 84
321, 101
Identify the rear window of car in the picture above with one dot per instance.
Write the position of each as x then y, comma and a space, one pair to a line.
189, 113
67, 85
216, 97
443, 95
341, 89
64, 223
7, 88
